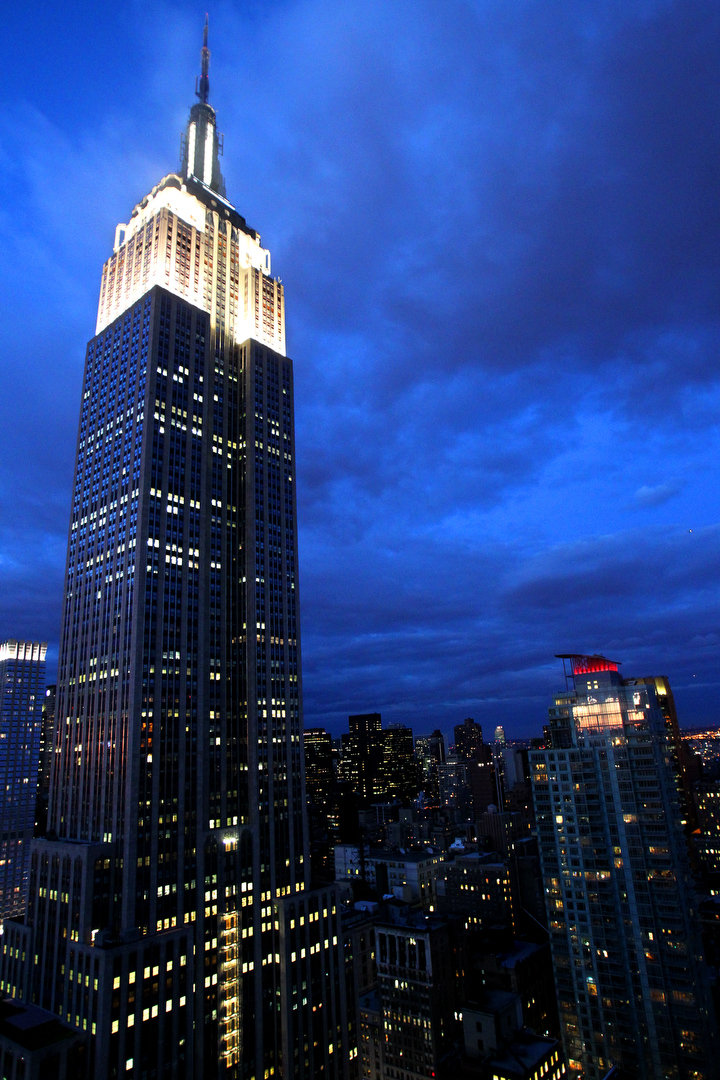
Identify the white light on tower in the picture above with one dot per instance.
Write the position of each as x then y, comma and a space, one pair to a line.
191, 150
207, 171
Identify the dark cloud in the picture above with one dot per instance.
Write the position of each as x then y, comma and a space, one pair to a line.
498, 229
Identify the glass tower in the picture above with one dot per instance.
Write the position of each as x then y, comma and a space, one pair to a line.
162, 903
620, 905
22, 690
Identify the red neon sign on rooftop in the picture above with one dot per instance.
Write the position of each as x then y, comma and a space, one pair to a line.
586, 665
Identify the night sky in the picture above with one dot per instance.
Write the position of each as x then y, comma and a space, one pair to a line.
498, 228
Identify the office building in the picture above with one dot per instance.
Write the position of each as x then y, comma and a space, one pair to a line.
622, 915
319, 775
483, 782
468, 739
22, 685
311, 1006
500, 735
416, 987
358, 935
477, 889
362, 756
501, 831
398, 770
429, 753
161, 901
706, 839
455, 788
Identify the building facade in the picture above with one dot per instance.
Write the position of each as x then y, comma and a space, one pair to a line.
399, 777
319, 775
478, 890
22, 685
429, 753
468, 739
46, 752
362, 756
162, 900
416, 985
621, 911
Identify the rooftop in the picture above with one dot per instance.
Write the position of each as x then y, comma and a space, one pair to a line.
523, 1054
31, 1027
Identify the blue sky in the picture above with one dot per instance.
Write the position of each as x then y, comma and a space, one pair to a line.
498, 227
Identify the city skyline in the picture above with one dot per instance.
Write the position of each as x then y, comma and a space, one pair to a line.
505, 413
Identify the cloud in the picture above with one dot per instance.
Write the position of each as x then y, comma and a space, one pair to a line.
654, 496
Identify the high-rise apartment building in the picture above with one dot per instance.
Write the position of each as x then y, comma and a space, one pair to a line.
621, 911
22, 686
169, 915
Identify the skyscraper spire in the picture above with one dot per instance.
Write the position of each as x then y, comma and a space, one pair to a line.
203, 89
202, 145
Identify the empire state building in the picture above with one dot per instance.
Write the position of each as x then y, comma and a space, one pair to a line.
170, 920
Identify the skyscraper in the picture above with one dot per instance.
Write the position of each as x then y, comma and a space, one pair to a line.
620, 906
318, 765
166, 901
362, 755
429, 753
22, 686
468, 739
399, 777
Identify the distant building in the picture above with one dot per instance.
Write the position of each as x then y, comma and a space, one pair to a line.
409, 875
500, 735
707, 839
352, 864
398, 770
477, 889
455, 787
429, 753
22, 685
501, 831
483, 784
362, 756
318, 765
468, 739
621, 910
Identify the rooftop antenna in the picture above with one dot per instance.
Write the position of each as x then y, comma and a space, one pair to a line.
202, 86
